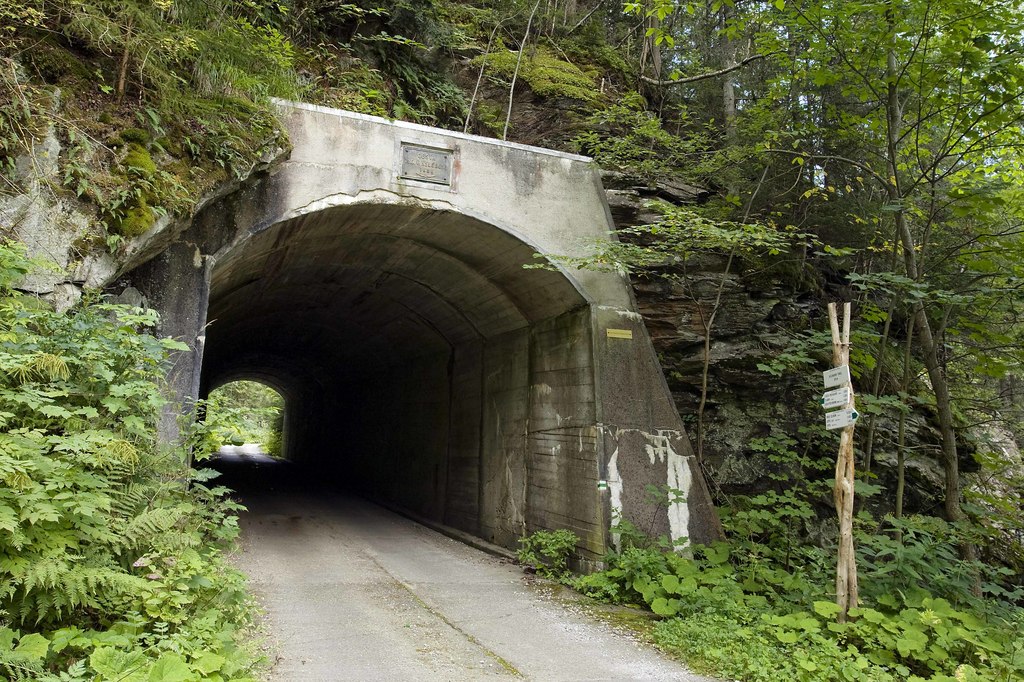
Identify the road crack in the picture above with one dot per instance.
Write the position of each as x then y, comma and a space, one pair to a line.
506, 665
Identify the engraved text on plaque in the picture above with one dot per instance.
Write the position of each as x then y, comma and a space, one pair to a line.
426, 165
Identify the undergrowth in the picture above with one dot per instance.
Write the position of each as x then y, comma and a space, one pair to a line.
547, 552
149, 106
760, 607
111, 555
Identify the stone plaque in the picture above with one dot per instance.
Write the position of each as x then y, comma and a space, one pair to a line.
426, 164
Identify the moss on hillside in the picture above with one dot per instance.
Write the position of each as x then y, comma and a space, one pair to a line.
546, 74
155, 105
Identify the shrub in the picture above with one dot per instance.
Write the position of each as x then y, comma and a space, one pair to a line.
110, 550
742, 610
548, 551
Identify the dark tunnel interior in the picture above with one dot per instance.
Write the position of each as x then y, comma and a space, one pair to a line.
404, 341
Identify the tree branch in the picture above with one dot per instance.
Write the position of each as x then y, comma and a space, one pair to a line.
833, 157
709, 74
587, 16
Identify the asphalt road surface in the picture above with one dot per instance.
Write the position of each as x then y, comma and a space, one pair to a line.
355, 592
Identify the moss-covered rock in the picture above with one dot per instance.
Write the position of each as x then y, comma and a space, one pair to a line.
546, 74
137, 135
136, 220
56, 64
138, 160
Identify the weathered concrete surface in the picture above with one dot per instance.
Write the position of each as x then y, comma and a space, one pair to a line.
354, 592
420, 362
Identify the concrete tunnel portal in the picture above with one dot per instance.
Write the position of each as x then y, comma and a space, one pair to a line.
400, 339
375, 279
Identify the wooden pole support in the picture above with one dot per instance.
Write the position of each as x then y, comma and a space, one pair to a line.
846, 565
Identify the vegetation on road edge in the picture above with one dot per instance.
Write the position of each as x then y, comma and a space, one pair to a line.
112, 549
758, 608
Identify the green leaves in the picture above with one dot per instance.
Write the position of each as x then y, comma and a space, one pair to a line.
111, 664
90, 507
170, 668
665, 607
912, 642
627, 137
32, 647
22, 653
548, 551
758, 607
662, 249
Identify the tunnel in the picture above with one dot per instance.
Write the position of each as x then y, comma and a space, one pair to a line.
406, 343
376, 279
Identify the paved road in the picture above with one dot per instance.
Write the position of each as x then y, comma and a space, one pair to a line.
355, 592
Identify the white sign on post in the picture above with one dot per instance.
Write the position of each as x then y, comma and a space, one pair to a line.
837, 376
840, 419
836, 397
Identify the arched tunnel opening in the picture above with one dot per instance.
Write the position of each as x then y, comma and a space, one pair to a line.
245, 417
420, 363
375, 279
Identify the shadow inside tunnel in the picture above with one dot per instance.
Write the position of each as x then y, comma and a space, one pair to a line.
280, 496
255, 477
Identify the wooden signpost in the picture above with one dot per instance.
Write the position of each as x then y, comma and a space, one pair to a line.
846, 418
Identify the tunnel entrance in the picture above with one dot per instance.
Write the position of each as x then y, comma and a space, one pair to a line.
375, 279
412, 347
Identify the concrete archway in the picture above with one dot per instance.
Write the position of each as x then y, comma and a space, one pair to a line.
406, 340
377, 277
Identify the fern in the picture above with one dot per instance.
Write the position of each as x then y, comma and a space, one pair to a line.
148, 527
103, 548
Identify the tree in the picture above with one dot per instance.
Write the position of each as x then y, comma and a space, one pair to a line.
924, 98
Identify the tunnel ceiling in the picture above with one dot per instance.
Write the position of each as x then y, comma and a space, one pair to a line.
354, 289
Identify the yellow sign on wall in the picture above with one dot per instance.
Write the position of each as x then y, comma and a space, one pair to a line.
620, 333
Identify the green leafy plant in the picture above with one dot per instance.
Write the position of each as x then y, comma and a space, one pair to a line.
756, 608
626, 575
111, 547
548, 551
625, 136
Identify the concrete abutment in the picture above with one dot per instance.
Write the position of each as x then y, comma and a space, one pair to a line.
376, 280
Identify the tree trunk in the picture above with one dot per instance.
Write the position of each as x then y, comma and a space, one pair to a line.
876, 385
480, 76
122, 70
929, 349
728, 86
651, 52
708, 324
901, 438
515, 74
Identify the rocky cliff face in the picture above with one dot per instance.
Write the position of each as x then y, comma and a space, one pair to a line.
41, 210
756, 420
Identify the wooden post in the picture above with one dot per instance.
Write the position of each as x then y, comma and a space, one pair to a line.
846, 566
